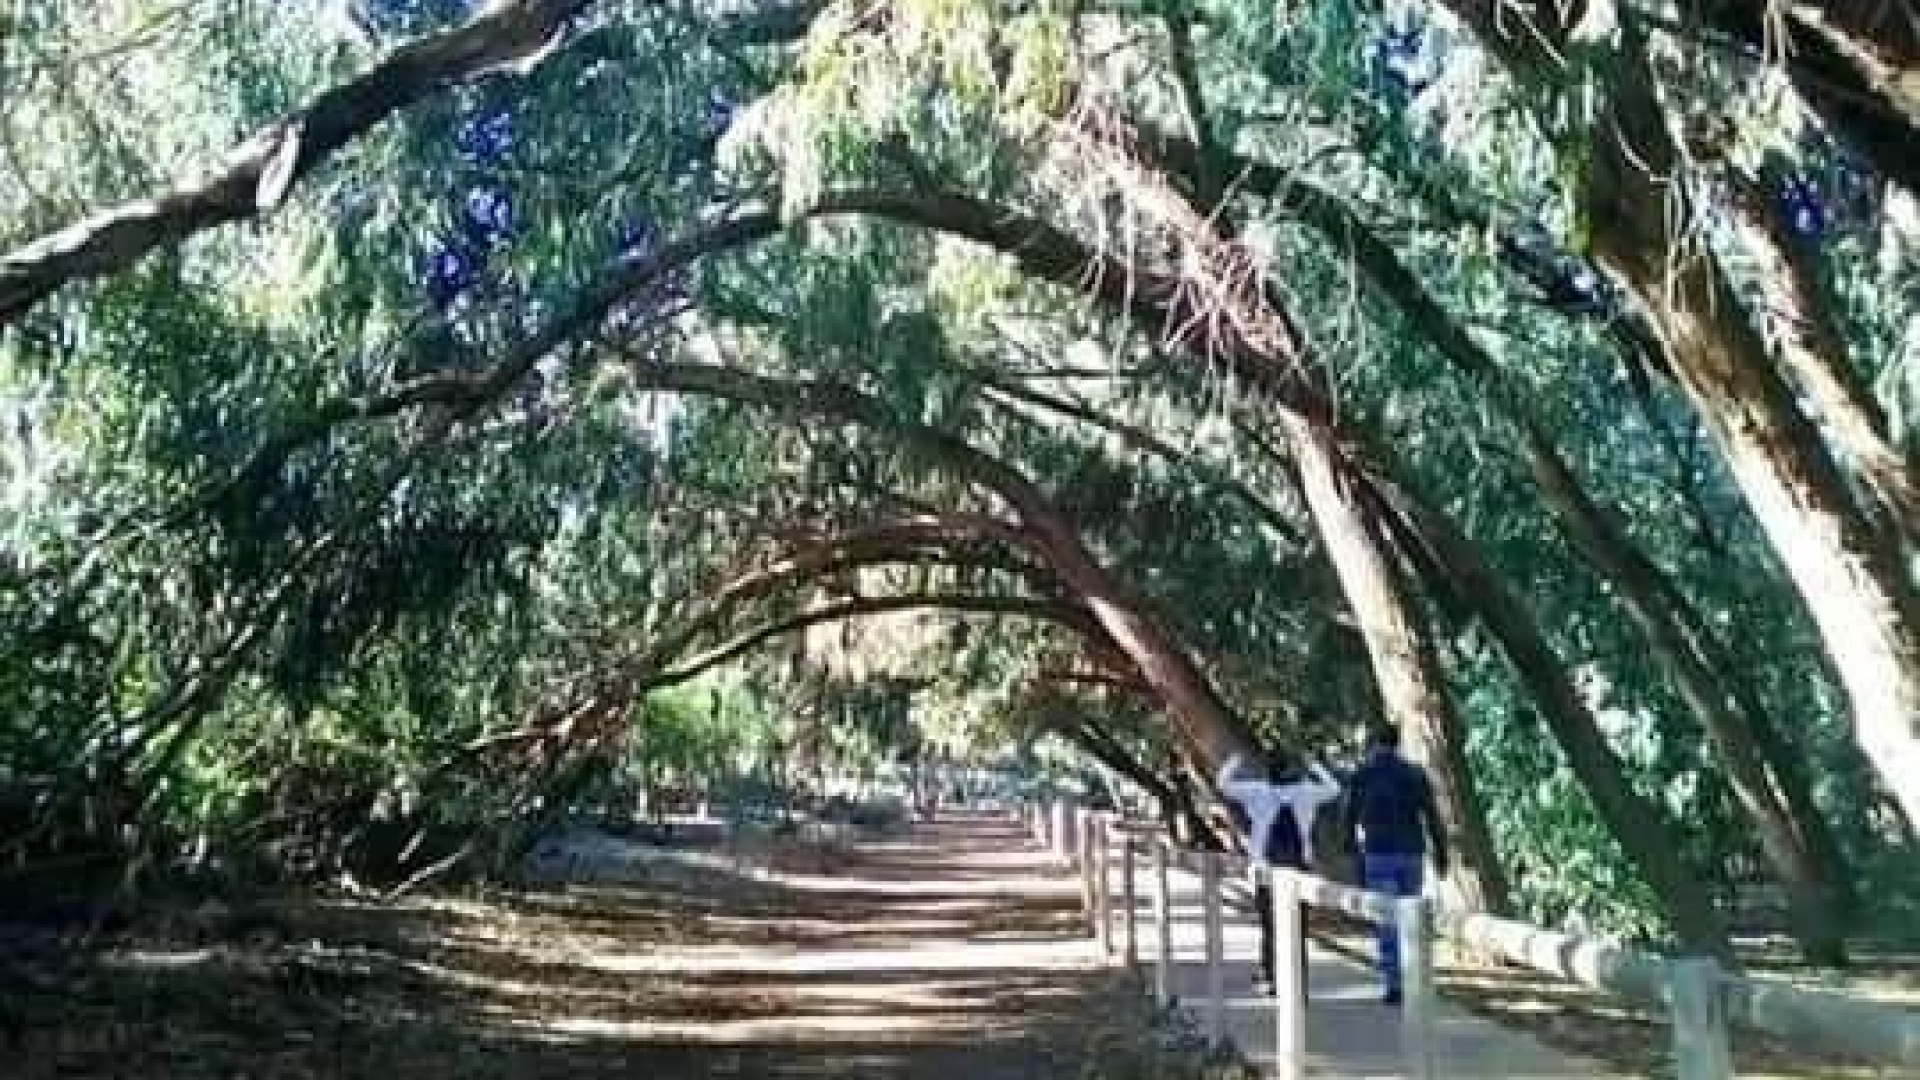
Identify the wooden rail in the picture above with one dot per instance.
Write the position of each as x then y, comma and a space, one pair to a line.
1705, 1002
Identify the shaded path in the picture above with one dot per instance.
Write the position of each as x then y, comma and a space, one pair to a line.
953, 953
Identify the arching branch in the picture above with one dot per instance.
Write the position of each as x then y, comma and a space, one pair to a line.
255, 177
1055, 611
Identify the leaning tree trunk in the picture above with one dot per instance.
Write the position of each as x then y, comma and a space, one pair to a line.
1793, 836
1846, 569
1845, 565
1644, 831
1097, 744
1185, 821
1412, 688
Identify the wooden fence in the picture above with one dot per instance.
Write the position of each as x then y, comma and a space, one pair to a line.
1705, 1002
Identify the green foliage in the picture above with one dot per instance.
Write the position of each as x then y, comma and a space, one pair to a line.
262, 638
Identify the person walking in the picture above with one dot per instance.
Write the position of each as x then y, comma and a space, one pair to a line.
1278, 811
1390, 803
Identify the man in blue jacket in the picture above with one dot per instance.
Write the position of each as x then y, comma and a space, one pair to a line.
1390, 801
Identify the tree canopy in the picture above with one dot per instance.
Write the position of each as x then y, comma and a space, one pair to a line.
419, 413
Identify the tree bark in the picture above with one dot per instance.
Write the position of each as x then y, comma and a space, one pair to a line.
1639, 825
1412, 687
1814, 353
1846, 567
256, 176
1794, 836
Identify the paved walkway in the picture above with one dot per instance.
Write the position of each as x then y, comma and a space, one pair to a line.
1350, 1034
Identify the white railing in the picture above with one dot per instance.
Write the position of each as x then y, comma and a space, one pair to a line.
1704, 1002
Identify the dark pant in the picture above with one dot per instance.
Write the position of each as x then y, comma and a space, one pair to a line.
1269, 948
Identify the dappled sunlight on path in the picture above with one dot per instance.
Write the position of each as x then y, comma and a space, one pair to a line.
956, 951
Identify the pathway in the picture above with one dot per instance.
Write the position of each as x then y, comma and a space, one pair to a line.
953, 953
956, 952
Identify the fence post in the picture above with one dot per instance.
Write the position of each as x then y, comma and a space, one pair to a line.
1103, 886
1216, 1012
1163, 921
1698, 1004
1083, 839
1290, 976
1129, 899
1061, 838
1413, 917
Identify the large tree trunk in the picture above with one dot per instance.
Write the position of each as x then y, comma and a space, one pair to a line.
1845, 565
1847, 570
1856, 62
1642, 828
1813, 351
1412, 687
1794, 837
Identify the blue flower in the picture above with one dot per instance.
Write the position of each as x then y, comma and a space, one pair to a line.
450, 270
1398, 58
1803, 207
718, 112
486, 216
637, 239
486, 138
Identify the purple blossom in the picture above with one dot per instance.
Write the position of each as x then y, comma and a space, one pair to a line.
718, 112
1399, 60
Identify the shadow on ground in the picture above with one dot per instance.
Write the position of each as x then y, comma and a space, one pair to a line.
938, 956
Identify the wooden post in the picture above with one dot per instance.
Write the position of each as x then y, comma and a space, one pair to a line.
1103, 882
1215, 1026
1129, 900
1698, 1004
1419, 993
1083, 848
1163, 922
1290, 977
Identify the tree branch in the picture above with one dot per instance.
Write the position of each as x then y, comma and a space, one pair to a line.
256, 176
1055, 611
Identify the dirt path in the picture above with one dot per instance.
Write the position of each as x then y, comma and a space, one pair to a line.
952, 954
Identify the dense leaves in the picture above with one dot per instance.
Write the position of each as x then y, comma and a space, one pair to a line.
283, 565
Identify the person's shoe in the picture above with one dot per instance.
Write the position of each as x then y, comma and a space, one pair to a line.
1391, 997
1264, 987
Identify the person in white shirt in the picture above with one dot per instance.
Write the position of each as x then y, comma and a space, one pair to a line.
1278, 811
